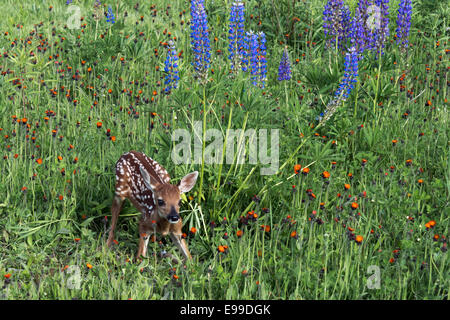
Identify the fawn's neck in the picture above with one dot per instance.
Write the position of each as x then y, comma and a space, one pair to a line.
162, 225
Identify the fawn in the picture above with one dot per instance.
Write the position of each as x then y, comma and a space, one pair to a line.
146, 184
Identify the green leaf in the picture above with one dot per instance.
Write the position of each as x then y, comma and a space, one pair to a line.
30, 240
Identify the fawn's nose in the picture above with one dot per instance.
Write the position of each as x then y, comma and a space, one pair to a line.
173, 216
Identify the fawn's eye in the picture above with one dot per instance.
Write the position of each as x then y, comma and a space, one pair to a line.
179, 203
161, 202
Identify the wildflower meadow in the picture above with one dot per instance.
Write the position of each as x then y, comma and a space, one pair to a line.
319, 131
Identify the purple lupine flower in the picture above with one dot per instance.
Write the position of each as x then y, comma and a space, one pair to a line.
245, 52
404, 22
381, 21
200, 40
284, 70
68, 2
262, 58
346, 85
350, 74
257, 57
363, 26
110, 16
253, 50
236, 35
171, 68
337, 23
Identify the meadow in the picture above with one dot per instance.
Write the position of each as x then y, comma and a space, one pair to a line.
358, 207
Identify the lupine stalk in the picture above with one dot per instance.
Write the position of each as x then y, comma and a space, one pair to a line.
253, 49
337, 23
404, 22
381, 32
171, 68
363, 26
262, 59
110, 16
236, 36
284, 70
350, 74
256, 43
245, 53
346, 85
200, 40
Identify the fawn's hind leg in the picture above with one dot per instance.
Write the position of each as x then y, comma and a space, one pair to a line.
115, 210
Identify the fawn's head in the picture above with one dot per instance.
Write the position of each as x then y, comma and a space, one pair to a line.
166, 196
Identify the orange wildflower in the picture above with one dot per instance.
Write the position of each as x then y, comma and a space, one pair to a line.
325, 174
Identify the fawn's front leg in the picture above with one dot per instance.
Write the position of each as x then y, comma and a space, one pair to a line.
181, 245
144, 236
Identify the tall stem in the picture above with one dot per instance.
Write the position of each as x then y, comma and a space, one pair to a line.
200, 192
287, 95
378, 82
336, 49
356, 99
223, 152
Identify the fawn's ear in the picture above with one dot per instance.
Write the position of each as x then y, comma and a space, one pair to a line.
188, 182
147, 180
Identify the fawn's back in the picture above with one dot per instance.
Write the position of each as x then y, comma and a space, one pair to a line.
130, 182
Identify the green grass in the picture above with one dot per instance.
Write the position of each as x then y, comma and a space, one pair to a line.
39, 224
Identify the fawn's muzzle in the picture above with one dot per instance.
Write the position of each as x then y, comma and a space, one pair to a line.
173, 216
